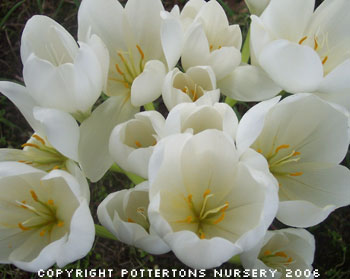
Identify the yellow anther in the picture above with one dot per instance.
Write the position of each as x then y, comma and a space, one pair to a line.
50, 202
23, 228
290, 260
296, 173
34, 196
31, 145
55, 168
324, 60
131, 220
259, 151
154, 143
121, 57
118, 69
138, 144
185, 90
222, 216
194, 95
281, 254
225, 207
206, 193
187, 220
267, 253
211, 47
189, 198
23, 205
283, 146
316, 44
219, 47
21, 161
140, 51
42, 233
202, 235
302, 40
279, 184
295, 153
60, 224
39, 139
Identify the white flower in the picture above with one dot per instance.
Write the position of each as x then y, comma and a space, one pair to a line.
131, 143
45, 219
206, 203
211, 41
302, 50
57, 72
189, 12
188, 87
257, 6
280, 251
124, 213
140, 47
304, 139
196, 117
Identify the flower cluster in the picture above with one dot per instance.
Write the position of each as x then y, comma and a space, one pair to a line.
212, 181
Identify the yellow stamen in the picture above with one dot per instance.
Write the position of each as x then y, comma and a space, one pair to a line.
121, 57
138, 144
187, 220
118, 69
55, 168
185, 90
211, 47
42, 233
189, 198
222, 216
259, 151
131, 220
302, 40
290, 260
140, 51
207, 192
296, 173
279, 184
31, 145
283, 146
324, 60
50, 202
39, 139
316, 44
154, 143
60, 224
225, 207
21, 161
219, 47
202, 235
34, 196
23, 228
281, 254
267, 253
23, 206
296, 153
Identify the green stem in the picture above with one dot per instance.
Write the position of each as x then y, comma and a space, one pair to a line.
149, 106
103, 232
231, 102
246, 49
133, 177
235, 260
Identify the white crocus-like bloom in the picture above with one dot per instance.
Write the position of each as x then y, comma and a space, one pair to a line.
211, 41
280, 251
137, 37
57, 72
188, 87
304, 139
256, 7
302, 50
197, 117
124, 213
131, 143
44, 218
206, 203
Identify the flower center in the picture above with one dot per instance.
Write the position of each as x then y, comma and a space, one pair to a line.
276, 160
129, 69
318, 46
44, 215
206, 215
143, 221
278, 260
40, 155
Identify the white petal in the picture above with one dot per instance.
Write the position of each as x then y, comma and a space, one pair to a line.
16, 169
248, 83
19, 95
61, 129
48, 40
95, 132
146, 28
257, 6
172, 38
288, 18
224, 61
255, 117
196, 48
296, 68
203, 76
148, 85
